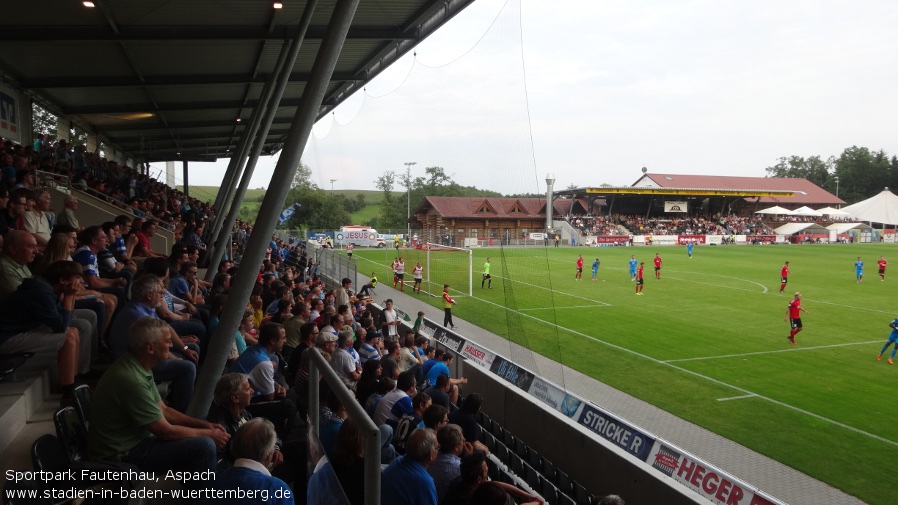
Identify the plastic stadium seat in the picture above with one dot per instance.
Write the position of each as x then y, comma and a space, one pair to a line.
505, 477
535, 460
516, 465
548, 471
498, 432
532, 476
71, 433
564, 499
486, 423
82, 396
49, 455
501, 452
564, 483
509, 440
581, 495
548, 490
488, 440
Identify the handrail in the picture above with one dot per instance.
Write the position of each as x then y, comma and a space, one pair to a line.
317, 364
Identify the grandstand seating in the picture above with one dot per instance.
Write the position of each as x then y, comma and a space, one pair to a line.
525, 463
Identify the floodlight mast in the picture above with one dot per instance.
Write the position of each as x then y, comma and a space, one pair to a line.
408, 204
550, 184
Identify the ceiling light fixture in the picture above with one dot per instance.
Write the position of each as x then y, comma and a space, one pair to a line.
88, 4
278, 5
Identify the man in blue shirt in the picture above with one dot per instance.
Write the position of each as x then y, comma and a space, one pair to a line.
633, 262
859, 269
406, 481
147, 293
893, 339
442, 368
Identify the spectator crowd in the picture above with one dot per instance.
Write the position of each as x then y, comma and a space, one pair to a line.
135, 324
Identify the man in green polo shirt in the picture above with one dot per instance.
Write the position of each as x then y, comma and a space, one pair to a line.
130, 423
486, 275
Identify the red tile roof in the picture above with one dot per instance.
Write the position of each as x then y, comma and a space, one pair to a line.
463, 207
806, 192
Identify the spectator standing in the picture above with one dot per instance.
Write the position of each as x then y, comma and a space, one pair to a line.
390, 318
448, 302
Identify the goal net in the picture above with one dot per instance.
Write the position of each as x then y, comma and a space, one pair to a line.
441, 265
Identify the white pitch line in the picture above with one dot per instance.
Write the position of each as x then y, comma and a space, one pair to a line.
791, 349
707, 378
571, 307
735, 398
555, 291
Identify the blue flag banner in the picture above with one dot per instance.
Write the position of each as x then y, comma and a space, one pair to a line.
287, 213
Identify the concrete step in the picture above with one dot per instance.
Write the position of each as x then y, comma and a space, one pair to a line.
21, 401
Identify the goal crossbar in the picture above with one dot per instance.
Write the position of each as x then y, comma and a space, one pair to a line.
438, 249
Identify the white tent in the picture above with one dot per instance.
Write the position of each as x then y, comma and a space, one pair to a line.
830, 211
792, 228
806, 211
882, 208
843, 227
777, 210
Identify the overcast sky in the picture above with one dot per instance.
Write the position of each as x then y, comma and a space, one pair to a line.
592, 91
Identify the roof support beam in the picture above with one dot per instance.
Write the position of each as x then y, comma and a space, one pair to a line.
304, 119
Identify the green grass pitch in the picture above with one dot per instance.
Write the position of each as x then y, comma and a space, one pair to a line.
712, 328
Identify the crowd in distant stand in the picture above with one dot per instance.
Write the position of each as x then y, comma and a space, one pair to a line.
677, 224
628, 224
123, 317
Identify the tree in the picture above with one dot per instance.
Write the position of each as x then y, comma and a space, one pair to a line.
391, 216
862, 173
330, 215
307, 194
42, 121
813, 169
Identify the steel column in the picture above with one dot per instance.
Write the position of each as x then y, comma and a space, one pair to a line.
300, 129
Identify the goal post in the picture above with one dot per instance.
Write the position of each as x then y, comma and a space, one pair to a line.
449, 265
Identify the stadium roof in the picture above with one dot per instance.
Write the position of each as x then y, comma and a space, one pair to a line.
159, 77
805, 192
462, 207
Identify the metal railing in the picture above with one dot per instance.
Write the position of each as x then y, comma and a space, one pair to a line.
318, 365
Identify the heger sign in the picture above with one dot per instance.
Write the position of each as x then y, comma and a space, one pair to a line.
708, 481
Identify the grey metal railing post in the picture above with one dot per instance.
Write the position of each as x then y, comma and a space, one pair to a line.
317, 365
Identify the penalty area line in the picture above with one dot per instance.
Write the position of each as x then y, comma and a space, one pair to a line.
736, 398
571, 307
791, 349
